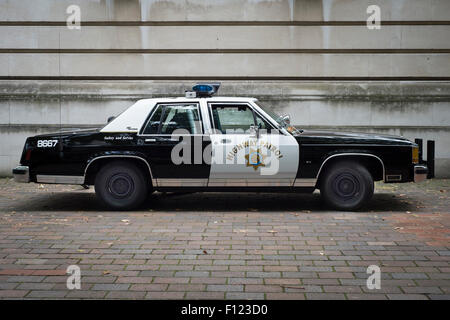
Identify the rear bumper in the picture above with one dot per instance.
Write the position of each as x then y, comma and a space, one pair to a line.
420, 173
21, 174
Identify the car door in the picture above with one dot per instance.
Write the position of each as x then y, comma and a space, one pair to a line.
168, 139
247, 151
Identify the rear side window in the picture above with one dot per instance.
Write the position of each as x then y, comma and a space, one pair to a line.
154, 121
168, 118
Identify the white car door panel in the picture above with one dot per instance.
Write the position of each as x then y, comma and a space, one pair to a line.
249, 159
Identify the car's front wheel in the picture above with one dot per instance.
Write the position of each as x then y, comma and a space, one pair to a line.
121, 186
347, 185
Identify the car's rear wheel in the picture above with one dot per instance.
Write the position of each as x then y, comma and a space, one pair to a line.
347, 185
121, 186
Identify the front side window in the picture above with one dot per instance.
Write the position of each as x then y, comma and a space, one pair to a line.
168, 118
236, 118
229, 118
262, 123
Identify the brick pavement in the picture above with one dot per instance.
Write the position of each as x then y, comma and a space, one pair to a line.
224, 246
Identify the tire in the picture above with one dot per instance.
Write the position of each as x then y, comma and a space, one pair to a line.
347, 185
121, 186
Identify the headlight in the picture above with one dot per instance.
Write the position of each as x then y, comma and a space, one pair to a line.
415, 155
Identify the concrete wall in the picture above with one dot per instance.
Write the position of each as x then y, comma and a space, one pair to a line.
313, 59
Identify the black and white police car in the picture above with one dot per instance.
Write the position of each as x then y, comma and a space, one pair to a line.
204, 143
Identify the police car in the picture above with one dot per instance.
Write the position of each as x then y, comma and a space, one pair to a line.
200, 142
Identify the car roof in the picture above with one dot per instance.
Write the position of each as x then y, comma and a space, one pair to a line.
177, 99
132, 119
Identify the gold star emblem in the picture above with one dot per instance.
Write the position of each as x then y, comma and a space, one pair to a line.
255, 159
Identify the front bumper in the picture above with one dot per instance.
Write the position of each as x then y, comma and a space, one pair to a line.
420, 173
21, 174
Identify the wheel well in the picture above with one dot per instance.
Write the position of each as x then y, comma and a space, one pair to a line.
371, 163
95, 166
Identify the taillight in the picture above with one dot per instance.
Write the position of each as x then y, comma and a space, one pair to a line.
28, 155
415, 155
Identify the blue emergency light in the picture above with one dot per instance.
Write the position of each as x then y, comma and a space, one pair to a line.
204, 89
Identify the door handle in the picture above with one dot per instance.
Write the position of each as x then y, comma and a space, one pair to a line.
150, 140
168, 139
226, 141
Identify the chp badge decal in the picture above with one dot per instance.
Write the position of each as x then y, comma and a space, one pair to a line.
254, 156
255, 159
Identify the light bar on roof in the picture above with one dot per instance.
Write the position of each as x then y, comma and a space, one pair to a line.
203, 90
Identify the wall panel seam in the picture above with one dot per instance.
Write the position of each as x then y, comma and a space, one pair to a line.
225, 23
223, 51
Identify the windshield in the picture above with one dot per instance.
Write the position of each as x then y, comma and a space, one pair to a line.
278, 118
271, 113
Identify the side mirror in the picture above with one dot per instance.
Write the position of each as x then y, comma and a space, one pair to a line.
286, 118
111, 119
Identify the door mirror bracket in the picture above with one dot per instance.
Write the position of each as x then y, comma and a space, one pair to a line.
254, 131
